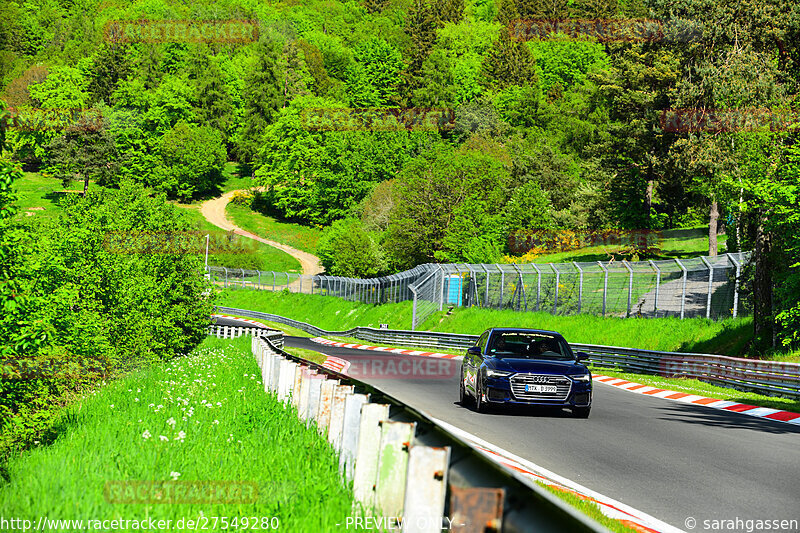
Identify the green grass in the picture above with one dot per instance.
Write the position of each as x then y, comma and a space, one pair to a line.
678, 244
590, 509
308, 355
38, 195
701, 388
264, 257
245, 436
724, 337
322, 311
301, 237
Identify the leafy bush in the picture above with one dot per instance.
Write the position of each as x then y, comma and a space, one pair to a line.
193, 158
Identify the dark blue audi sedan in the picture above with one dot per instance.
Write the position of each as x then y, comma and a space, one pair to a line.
525, 367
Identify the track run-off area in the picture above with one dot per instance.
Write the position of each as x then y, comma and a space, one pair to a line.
683, 464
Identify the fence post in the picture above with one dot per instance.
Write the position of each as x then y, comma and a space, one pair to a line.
658, 284
605, 286
413, 308
521, 288
683, 293
710, 285
273, 280
441, 292
735, 285
259, 279
558, 278
226, 277
502, 284
242, 270
486, 298
630, 285
580, 285
538, 283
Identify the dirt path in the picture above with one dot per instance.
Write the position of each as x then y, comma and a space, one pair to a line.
214, 212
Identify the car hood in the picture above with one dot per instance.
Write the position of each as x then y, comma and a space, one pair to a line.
536, 365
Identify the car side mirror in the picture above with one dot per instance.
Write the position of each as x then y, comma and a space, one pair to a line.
581, 356
474, 350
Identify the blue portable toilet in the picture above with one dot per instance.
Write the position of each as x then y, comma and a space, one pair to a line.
453, 286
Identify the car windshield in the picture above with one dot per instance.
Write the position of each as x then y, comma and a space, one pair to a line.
521, 345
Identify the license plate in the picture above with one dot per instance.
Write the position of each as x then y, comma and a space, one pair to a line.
541, 388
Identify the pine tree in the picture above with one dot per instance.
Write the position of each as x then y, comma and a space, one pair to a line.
421, 24
214, 103
263, 97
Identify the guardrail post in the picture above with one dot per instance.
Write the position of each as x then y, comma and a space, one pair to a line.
396, 439
580, 285
683, 293
558, 278
658, 284
369, 440
426, 487
630, 285
735, 285
605, 286
340, 394
350, 428
710, 285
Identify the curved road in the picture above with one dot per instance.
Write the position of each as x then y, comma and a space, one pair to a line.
668, 459
214, 212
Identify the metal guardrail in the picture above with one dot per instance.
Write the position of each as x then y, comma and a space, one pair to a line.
773, 378
406, 466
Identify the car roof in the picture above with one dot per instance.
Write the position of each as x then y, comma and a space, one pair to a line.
524, 330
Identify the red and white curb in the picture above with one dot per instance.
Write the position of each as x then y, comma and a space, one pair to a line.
251, 322
399, 351
714, 403
336, 364
626, 514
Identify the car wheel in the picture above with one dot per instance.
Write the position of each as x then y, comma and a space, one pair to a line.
581, 412
480, 405
463, 399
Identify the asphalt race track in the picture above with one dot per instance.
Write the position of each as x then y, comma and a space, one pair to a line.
668, 459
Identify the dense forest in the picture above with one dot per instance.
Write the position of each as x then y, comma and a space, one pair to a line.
552, 131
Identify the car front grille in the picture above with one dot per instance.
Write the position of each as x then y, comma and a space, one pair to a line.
563, 385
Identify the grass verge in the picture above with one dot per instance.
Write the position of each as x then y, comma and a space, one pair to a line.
701, 388
204, 417
726, 337
590, 509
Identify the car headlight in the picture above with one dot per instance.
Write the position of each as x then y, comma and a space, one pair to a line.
497, 373
584, 377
